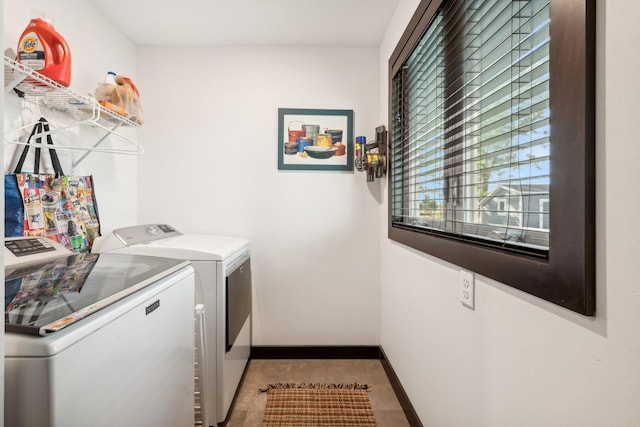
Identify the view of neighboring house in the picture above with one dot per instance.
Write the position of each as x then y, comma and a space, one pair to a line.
508, 206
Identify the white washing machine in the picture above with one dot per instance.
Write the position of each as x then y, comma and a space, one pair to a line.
96, 339
223, 286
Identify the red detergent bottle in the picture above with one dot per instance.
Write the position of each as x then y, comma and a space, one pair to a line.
42, 49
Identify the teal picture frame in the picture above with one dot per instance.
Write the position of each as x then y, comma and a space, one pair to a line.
332, 125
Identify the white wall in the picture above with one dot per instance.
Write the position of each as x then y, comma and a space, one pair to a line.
211, 166
517, 360
96, 47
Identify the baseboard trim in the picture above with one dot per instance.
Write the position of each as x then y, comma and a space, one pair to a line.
343, 352
315, 352
405, 403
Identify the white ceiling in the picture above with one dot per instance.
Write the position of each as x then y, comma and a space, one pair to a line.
250, 22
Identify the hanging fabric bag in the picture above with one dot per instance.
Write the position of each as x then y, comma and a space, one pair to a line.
56, 206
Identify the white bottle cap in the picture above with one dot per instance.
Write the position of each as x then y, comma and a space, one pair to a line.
111, 78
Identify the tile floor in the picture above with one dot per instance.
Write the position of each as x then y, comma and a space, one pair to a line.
249, 406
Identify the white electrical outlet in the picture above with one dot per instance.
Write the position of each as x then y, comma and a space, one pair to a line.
467, 288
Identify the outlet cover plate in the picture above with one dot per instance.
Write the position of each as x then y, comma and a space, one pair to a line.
467, 288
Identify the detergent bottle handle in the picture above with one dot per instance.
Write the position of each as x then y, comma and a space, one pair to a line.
59, 53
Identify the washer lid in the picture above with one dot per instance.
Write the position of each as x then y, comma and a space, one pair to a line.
197, 247
194, 247
45, 297
165, 241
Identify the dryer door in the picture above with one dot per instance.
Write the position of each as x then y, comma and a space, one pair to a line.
238, 309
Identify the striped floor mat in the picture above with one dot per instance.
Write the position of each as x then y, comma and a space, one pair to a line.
305, 405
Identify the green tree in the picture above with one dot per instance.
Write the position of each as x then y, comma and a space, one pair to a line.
428, 207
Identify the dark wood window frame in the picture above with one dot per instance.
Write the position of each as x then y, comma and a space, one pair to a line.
567, 275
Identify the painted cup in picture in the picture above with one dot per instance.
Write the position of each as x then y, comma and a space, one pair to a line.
290, 147
304, 142
323, 140
336, 134
295, 134
311, 131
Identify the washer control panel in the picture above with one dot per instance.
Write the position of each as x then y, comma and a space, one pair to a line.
21, 250
145, 233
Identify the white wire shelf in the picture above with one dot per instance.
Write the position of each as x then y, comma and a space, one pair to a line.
37, 89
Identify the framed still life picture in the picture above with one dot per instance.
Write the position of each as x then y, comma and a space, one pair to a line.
310, 139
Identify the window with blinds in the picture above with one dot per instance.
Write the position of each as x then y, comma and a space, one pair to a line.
471, 134
492, 142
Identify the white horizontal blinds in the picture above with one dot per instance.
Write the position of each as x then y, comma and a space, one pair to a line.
507, 116
418, 129
454, 16
399, 142
475, 157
